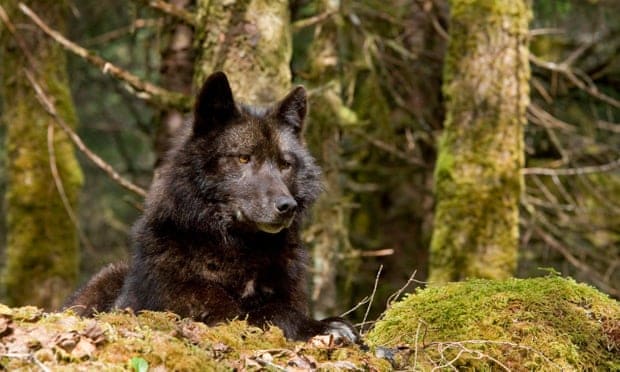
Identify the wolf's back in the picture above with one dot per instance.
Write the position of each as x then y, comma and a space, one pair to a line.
100, 292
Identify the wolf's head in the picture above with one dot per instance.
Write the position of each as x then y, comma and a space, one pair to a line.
240, 165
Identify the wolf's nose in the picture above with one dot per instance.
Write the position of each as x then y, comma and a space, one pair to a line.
285, 204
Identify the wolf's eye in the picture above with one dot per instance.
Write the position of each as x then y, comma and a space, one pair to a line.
243, 159
286, 165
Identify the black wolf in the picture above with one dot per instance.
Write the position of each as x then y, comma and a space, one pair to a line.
219, 237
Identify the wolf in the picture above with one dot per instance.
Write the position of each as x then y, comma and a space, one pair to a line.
220, 234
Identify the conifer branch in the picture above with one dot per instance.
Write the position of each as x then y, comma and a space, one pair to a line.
172, 10
142, 89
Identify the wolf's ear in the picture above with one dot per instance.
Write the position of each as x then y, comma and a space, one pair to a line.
292, 109
215, 105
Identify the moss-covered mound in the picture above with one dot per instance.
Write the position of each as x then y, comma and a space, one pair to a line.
156, 341
518, 324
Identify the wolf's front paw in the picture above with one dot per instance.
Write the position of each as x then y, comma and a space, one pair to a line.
341, 331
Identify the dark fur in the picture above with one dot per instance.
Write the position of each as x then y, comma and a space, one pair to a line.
219, 238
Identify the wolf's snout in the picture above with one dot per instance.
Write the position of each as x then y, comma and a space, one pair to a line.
285, 204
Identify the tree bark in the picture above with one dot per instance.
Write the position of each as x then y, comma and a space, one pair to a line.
328, 235
41, 263
250, 40
478, 172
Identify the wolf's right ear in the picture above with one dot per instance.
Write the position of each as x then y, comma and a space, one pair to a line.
215, 105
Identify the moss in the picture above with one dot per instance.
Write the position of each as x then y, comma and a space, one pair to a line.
478, 182
164, 341
41, 255
539, 324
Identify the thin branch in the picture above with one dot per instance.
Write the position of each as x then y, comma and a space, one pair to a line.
570, 74
122, 31
142, 89
372, 296
388, 148
311, 21
50, 108
173, 10
573, 171
61, 188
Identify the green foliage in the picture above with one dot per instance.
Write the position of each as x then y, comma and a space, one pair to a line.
538, 324
139, 364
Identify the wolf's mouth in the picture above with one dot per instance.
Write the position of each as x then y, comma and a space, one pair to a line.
274, 228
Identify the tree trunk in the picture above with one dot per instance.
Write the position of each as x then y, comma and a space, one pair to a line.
328, 234
477, 176
250, 40
41, 263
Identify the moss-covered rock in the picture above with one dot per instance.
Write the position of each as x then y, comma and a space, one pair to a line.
31, 340
518, 324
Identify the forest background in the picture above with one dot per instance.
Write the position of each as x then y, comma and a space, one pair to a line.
375, 71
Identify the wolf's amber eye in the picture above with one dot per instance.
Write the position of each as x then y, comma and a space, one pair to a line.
286, 165
243, 159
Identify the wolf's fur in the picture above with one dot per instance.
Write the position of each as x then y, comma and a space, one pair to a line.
219, 237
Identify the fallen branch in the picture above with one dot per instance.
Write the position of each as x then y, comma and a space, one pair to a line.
573, 171
144, 90
172, 10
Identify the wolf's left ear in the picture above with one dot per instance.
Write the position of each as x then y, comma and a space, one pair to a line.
292, 109
215, 105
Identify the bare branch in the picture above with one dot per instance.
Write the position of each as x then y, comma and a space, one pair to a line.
172, 10
573, 171
149, 92
61, 188
50, 108
122, 31
388, 148
571, 74
372, 296
311, 21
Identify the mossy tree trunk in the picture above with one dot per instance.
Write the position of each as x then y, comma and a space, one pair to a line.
328, 233
477, 176
250, 40
42, 243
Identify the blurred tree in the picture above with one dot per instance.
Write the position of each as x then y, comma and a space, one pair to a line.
41, 251
328, 233
478, 172
177, 71
250, 40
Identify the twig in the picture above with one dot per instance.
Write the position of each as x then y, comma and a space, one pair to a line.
50, 108
144, 90
311, 21
372, 296
415, 351
61, 188
28, 357
388, 148
573, 171
397, 294
577, 263
173, 10
359, 304
565, 69
122, 31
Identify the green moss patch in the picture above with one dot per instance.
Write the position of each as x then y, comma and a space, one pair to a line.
117, 341
518, 324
